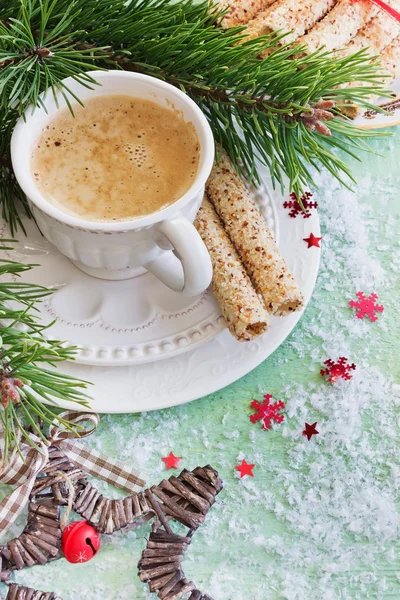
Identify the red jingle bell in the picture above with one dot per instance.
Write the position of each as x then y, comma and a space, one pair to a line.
80, 542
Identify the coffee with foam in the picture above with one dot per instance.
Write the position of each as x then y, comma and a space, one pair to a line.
117, 159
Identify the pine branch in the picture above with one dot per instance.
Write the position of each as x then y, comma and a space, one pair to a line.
27, 359
255, 108
10, 192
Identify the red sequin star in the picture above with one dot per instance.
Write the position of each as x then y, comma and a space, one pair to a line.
245, 469
310, 430
171, 461
335, 370
366, 307
313, 241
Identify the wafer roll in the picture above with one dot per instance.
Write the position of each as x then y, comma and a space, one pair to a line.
340, 25
241, 11
378, 33
390, 61
391, 58
253, 240
294, 16
241, 307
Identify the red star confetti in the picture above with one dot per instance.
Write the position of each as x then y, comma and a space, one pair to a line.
265, 412
245, 469
295, 205
171, 461
366, 307
313, 241
337, 370
310, 430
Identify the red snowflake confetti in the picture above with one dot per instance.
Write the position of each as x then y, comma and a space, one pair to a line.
171, 461
245, 469
366, 307
335, 370
266, 412
295, 205
310, 430
313, 241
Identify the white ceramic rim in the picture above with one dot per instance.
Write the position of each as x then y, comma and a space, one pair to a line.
27, 184
380, 120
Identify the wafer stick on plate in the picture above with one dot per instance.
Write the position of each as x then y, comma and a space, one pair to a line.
253, 240
244, 313
339, 26
294, 16
391, 58
378, 33
241, 11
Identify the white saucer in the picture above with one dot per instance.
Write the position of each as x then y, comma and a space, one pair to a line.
117, 323
196, 368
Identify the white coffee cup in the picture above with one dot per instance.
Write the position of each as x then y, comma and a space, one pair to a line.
165, 242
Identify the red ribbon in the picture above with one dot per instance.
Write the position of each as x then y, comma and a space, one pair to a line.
395, 14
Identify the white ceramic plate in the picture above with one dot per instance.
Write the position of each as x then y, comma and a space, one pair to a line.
118, 323
375, 120
205, 368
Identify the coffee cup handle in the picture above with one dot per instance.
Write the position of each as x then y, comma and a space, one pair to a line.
187, 269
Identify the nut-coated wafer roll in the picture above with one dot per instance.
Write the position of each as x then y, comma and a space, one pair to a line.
391, 58
242, 308
294, 16
378, 33
241, 11
253, 240
390, 61
340, 25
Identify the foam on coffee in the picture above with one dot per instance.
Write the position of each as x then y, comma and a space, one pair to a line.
119, 158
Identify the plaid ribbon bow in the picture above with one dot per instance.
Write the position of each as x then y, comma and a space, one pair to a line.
395, 14
22, 471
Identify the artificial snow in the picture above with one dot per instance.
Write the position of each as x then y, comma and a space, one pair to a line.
320, 520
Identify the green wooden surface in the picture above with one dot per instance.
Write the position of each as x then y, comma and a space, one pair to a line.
320, 519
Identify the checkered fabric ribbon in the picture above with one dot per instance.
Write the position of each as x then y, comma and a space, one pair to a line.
22, 471
395, 14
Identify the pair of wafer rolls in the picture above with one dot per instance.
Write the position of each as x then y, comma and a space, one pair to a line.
292, 16
339, 26
252, 239
241, 11
242, 309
